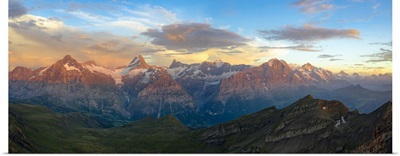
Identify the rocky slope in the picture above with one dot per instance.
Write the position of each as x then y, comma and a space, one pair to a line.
381, 141
308, 125
149, 90
68, 86
259, 81
202, 80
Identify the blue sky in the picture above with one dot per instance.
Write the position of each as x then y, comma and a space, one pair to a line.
348, 35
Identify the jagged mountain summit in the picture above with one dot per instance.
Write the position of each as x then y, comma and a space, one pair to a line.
258, 81
202, 80
150, 90
66, 70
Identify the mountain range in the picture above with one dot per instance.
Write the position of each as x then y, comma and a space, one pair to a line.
199, 95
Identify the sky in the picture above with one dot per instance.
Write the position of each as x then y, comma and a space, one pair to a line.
338, 35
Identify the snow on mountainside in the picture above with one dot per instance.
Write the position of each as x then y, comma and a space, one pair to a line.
202, 80
313, 74
208, 71
258, 81
135, 67
116, 74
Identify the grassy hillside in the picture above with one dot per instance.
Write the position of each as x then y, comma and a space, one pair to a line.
35, 128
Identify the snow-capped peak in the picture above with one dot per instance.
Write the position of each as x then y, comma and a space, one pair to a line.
218, 62
176, 64
68, 67
343, 73
68, 63
275, 61
308, 67
272, 61
138, 62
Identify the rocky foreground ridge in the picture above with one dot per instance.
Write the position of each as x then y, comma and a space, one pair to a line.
308, 125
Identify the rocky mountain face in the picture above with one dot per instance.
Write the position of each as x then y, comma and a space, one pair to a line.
381, 141
250, 90
320, 77
202, 80
67, 86
258, 81
149, 90
308, 125
135, 90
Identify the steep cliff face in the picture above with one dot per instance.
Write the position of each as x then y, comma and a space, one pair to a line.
161, 96
259, 81
66, 70
149, 90
23, 74
308, 125
202, 80
67, 86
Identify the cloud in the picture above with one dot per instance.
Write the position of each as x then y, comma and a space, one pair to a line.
374, 67
35, 22
48, 37
119, 19
335, 59
358, 64
87, 16
16, 9
382, 43
301, 47
84, 37
232, 52
108, 46
25, 25
376, 6
308, 33
313, 6
193, 37
332, 57
57, 37
358, 1
384, 56
327, 56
